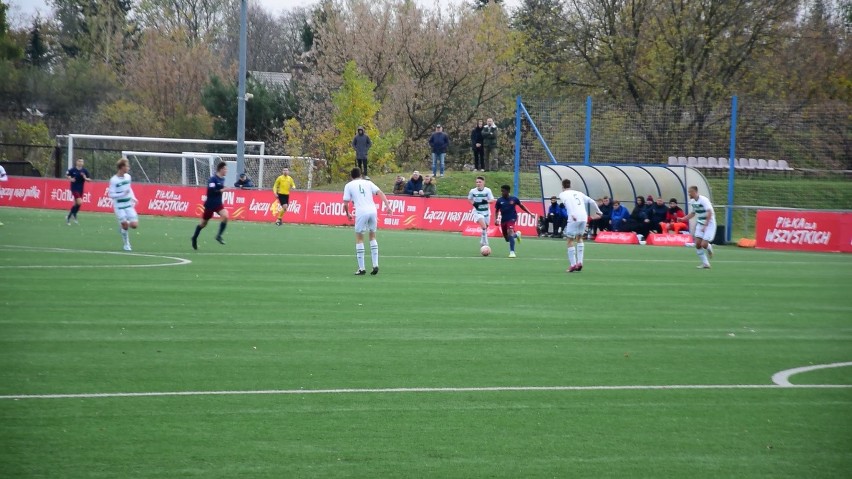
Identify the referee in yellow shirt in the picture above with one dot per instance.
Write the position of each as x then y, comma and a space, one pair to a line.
281, 188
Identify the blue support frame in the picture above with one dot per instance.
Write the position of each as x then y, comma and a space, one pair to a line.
587, 150
729, 216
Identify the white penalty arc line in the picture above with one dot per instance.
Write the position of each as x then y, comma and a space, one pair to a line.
176, 260
783, 378
420, 390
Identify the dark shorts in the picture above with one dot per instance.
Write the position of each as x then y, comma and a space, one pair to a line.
208, 212
505, 225
284, 199
76, 194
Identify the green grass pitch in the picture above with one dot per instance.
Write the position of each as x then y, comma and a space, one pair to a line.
278, 309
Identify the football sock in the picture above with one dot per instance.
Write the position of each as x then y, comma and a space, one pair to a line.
222, 226
572, 259
580, 249
374, 253
124, 235
359, 254
75, 209
511, 243
197, 231
484, 236
702, 255
710, 247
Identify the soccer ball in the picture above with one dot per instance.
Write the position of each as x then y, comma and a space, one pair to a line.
485, 250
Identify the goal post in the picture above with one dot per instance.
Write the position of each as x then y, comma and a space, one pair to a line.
197, 167
123, 140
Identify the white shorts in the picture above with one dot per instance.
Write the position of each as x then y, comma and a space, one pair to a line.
366, 222
126, 215
574, 229
706, 232
480, 216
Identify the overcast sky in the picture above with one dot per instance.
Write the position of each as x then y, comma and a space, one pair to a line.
23, 10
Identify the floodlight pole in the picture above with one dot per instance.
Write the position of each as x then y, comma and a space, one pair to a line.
241, 89
732, 160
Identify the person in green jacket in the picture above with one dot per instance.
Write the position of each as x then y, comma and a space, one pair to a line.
429, 186
489, 142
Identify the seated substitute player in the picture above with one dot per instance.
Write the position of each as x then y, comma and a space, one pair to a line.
78, 177
360, 192
705, 227
281, 188
213, 204
575, 202
479, 197
505, 215
123, 200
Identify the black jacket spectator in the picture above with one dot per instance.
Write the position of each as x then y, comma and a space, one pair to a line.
414, 185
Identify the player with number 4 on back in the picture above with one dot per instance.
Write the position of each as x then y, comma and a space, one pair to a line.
575, 202
360, 192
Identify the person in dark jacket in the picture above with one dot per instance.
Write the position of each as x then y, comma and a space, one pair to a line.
362, 143
414, 186
602, 223
619, 216
476, 144
243, 182
638, 221
557, 216
489, 142
657, 214
439, 142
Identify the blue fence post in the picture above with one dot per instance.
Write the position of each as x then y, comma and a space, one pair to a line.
517, 145
588, 148
732, 155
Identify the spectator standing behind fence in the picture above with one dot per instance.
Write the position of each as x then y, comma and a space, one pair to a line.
362, 143
399, 185
674, 218
477, 147
430, 188
619, 216
439, 142
414, 186
489, 142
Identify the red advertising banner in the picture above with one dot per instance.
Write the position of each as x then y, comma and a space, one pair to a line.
617, 237
656, 239
804, 231
323, 208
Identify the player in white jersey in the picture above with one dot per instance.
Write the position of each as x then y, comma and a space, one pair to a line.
575, 203
481, 197
705, 227
123, 200
360, 192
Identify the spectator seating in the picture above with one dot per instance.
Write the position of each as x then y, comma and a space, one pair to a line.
722, 163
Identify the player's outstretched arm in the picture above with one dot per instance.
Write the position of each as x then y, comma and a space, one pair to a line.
384, 200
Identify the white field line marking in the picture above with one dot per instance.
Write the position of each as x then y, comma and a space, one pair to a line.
177, 261
783, 378
422, 390
477, 257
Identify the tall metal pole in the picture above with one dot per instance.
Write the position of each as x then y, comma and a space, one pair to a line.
732, 161
588, 144
241, 93
517, 182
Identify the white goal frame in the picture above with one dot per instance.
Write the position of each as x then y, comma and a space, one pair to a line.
73, 136
261, 157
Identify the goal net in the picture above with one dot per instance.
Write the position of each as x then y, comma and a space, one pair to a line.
194, 168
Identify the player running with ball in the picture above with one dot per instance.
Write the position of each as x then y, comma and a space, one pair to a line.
505, 215
479, 197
